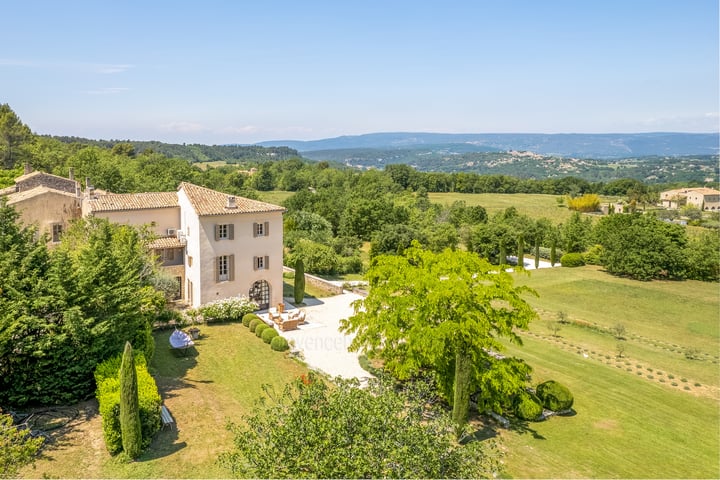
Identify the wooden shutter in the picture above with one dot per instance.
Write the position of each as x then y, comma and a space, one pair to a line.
231, 231
231, 267
266, 265
217, 232
267, 229
255, 262
217, 268
254, 227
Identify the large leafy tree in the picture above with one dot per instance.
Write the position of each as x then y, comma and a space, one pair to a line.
642, 247
312, 430
445, 313
63, 313
13, 135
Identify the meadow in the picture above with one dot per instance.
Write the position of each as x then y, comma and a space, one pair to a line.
645, 412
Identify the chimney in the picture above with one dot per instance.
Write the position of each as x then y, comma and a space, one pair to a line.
87, 182
71, 174
27, 168
231, 202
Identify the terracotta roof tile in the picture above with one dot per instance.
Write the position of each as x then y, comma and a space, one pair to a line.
210, 202
133, 201
39, 190
166, 242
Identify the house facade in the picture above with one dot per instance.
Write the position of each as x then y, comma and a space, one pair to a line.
706, 199
215, 245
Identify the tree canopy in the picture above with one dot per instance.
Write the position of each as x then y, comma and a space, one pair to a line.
444, 312
312, 430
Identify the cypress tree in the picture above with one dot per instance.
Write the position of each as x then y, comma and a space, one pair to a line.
299, 291
130, 427
521, 252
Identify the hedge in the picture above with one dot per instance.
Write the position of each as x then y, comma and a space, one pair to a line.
554, 396
260, 328
248, 318
279, 344
254, 323
269, 334
107, 378
572, 260
528, 407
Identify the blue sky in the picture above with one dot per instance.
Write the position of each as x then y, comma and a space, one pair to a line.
245, 71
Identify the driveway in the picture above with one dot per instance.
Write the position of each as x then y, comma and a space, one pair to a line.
321, 343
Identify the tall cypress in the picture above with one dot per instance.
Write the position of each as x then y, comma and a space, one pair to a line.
299, 291
130, 427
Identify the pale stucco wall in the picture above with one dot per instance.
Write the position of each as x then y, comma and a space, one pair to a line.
47, 209
164, 218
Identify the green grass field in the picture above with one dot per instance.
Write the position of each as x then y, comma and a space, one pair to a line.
532, 205
219, 382
648, 414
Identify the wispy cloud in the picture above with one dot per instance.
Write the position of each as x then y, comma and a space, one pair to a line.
184, 127
110, 69
101, 68
239, 130
107, 91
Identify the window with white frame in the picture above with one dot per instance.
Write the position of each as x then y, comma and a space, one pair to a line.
224, 231
261, 263
224, 266
261, 229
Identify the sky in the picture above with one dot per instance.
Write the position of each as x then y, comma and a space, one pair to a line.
244, 71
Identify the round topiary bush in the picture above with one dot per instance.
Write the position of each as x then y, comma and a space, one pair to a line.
527, 406
572, 260
279, 344
268, 335
260, 328
554, 396
248, 318
254, 323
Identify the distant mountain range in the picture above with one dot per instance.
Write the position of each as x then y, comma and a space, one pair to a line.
575, 145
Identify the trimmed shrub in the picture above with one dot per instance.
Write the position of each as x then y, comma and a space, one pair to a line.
279, 344
268, 334
554, 396
254, 323
248, 317
260, 328
527, 406
107, 378
228, 309
592, 256
572, 260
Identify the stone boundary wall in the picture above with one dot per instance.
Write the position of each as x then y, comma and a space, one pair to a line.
318, 282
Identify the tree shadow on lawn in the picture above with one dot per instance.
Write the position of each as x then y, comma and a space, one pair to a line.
164, 444
523, 427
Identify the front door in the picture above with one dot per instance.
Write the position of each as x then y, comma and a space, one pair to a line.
260, 294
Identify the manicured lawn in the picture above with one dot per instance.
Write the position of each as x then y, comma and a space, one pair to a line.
631, 421
625, 427
220, 381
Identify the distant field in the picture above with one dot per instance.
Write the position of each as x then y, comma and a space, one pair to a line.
650, 413
533, 205
276, 196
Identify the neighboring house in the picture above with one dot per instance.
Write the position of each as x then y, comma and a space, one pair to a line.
46, 201
215, 245
707, 199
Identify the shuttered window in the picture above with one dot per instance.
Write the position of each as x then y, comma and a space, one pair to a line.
261, 263
224, 231
225, 268
261, 229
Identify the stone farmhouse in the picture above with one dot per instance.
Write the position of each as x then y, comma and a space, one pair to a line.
706, 199
216, 245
